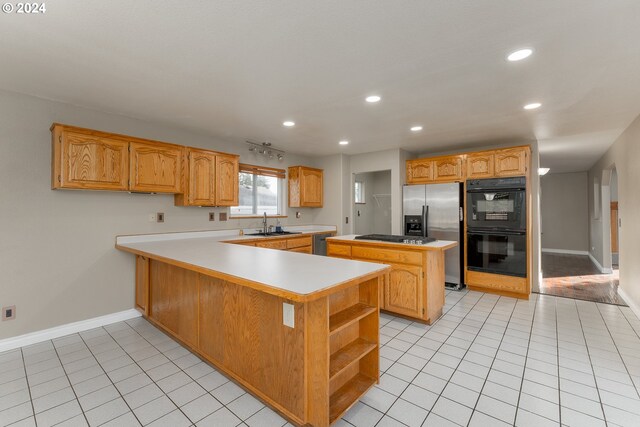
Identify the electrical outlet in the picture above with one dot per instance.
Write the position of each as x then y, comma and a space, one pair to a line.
346, 220
9, 313
288, 315
212, 216
160, 217
298, 215
223, 216
152, 217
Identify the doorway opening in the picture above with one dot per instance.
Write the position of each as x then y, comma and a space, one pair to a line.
570, 266
372, 202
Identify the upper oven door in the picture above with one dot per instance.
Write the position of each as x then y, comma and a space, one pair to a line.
496, 210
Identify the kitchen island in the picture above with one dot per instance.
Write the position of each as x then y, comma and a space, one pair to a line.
414, 287
296, 330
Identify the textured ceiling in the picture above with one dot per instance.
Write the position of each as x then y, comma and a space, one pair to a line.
236, 69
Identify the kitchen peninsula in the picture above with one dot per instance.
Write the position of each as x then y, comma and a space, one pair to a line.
414, 287
296, 330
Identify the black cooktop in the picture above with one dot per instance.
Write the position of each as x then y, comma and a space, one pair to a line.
397, 239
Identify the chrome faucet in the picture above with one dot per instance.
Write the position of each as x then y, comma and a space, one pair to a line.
264, 224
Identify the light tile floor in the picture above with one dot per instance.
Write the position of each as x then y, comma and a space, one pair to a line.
489, 361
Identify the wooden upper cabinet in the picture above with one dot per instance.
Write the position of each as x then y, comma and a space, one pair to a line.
403, 291
226, 180
511, 162
155, 167
199, 179
211, 179
82, 159
448, 169
484, 164
305, 187
419, 171
480, 165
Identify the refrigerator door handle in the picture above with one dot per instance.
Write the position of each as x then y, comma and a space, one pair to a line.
425, 218
461, 213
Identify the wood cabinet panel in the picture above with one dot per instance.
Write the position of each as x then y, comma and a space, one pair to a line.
155, 167
199, 180
82, 160
448, 169
297, 242
387, 255
302, 250
334, 249
142, 284
273, 244
496, 282
403, 292
226, 180
511, 162
241, 329
174, 300
305, 187
420, 171
480, 165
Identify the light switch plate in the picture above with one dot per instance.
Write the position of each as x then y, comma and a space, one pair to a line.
288, 315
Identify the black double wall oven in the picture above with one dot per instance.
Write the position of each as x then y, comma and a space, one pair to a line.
497, 226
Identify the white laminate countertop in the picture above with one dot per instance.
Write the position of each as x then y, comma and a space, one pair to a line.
292, 272
438, 244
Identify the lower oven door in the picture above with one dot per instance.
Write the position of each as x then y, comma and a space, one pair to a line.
497, 252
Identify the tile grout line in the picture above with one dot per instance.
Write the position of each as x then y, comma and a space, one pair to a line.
626, 368
524, 371
190, 377
465, 353
110, 380
145, 372
595, 378
428, 360
26, 378
493, 361
396, 361
84, 415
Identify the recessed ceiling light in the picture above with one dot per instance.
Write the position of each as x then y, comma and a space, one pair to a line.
519, 55
532, 106
343, 142
416, 128
373, 98
543, 171
288, 123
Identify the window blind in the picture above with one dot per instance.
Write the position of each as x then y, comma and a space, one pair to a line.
263, 170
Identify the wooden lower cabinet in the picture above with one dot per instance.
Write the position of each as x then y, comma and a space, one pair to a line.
273, 244
403, 293
301, 244
311, 373
518, 287
414, 286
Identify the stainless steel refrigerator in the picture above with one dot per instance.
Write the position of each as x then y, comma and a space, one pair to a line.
440, 206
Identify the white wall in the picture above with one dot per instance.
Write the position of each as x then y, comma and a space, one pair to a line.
375, 213
334, 191
394, 161
624, 155
57, 254
564, 211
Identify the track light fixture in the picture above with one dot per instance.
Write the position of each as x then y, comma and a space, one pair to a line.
265, 149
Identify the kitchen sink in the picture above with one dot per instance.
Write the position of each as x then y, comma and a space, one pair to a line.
273, 233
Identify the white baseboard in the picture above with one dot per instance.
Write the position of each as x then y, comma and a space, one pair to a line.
69, 328
632, 305
599, 266
565, 251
